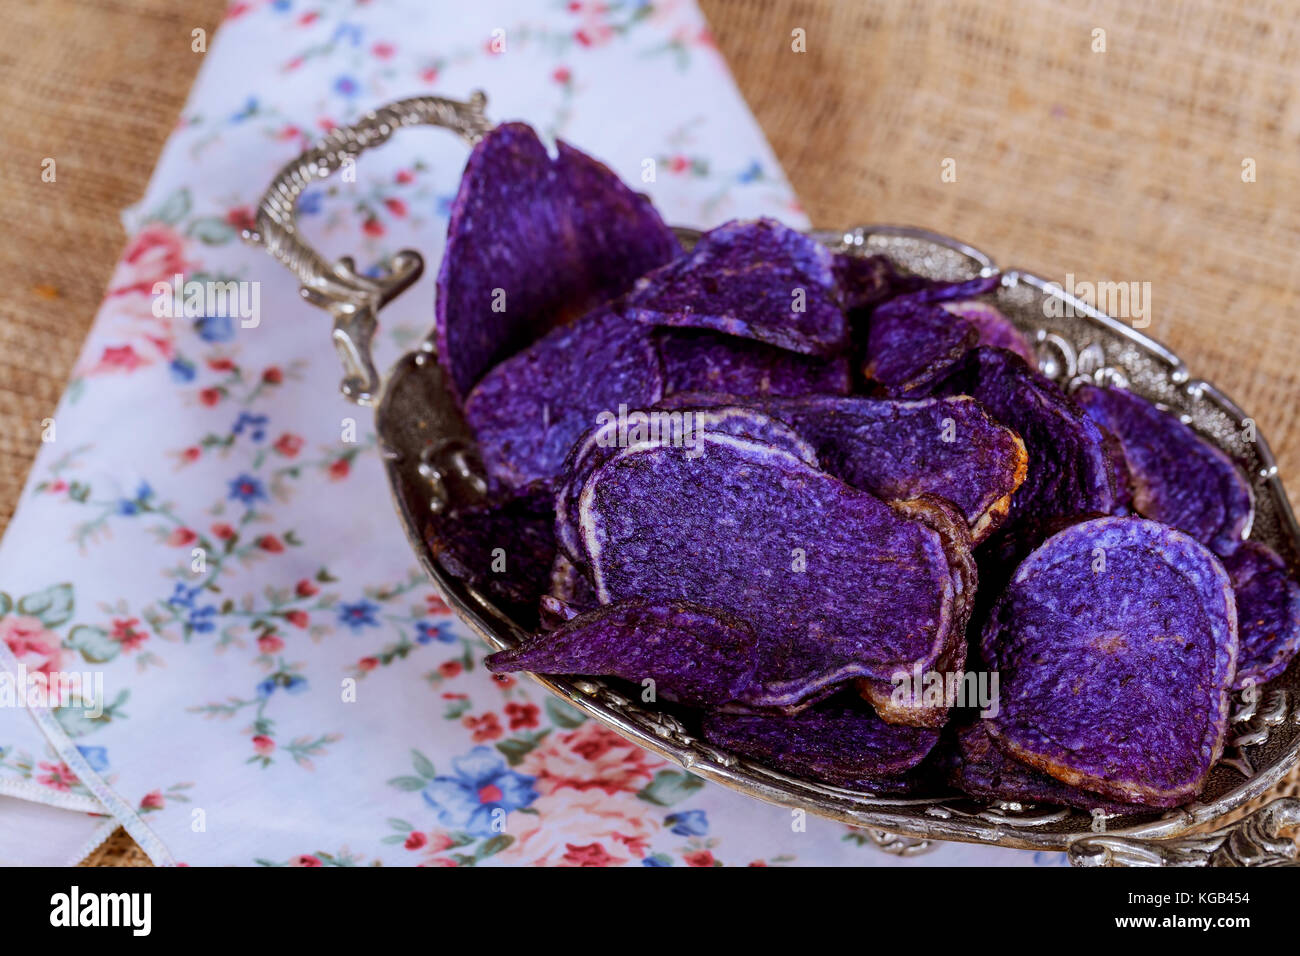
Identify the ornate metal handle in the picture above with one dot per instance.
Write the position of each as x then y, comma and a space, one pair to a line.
1257, 839
352, 299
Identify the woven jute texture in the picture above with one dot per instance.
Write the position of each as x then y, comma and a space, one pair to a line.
1115, 156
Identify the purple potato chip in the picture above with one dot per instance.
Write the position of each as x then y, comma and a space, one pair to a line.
1116, 644
758, 280
1070, 470
993, 328
902, 699
570, 586
864, 281
976, 766
695, 655
687, 425
899, 449
838, 584
504, 547
700, 360
1268, 612
912, 341
528, 411
553, 612
534, 243
831, 744
1179, 478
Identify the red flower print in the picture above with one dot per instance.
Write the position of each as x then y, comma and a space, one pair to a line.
367, 664
128, 633
429, 75
263, 745
483, 729
592, 854
436, 604
395, 206
297, 618
521, 715
372, 227
181, 537
415, 840
242, 218
293, 64
270, 643
308, 18
210, 396
403, 177
698, 858
305, 860
269, 542
504, 681
221, 364
120, 357
57, 776
305, 589
223, 530
449, 668
561, 75
153, 800
273, 376
439, 842
440, 861
759, 863
339, 470
679, 164
58, 487
288, 444
191, 454
40, 650
383, 50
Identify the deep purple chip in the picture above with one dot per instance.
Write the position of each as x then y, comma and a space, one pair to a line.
701, 360
678, 424
1116, 644
758, 280
828, 743
912, 341
528, 411
505, 547
693, 654
976, 766
899, 449
1268, 612
864, 281
1070, 469
1179, 478
905, 698
993, 328
533, 243
838, 584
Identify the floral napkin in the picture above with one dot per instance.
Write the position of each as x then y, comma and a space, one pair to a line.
207, 533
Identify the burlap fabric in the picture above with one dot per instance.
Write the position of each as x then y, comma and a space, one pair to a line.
1115, 155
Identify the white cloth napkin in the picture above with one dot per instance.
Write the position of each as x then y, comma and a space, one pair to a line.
228, 735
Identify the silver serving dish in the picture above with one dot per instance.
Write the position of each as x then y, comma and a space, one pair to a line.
432, 462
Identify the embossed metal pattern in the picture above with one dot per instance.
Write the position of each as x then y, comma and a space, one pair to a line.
432, 463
